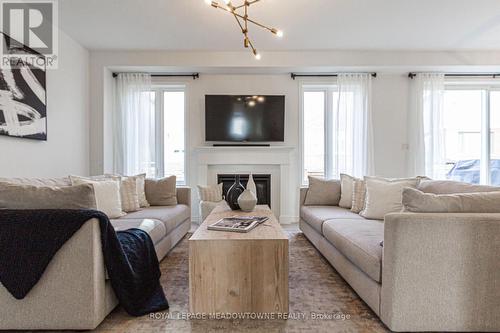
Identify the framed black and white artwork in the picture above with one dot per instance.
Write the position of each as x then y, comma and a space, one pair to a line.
23, 103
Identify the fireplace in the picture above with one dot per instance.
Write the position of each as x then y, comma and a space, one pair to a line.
262, 183
278, 161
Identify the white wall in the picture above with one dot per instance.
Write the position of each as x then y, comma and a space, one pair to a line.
244, 85
239, 73
390, 102
66, 150
390, 88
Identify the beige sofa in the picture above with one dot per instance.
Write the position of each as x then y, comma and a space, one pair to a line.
74, 292
435, 272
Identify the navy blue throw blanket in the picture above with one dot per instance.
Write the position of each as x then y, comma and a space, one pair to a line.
29, 239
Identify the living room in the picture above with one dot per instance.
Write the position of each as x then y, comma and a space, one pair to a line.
356, 140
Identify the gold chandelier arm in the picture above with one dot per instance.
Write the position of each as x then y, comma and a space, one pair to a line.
254, 51
243, 18
239, 23
258, 24
246, 21
249, 3
216, 5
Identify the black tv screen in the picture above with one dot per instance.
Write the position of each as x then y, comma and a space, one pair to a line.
238, 118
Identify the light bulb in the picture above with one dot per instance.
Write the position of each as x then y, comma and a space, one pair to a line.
277, 32
227, 2
208, 2
257, 56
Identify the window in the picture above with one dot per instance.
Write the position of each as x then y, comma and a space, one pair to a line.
314, 134
471, 130
170, 131
147, 125
318, 103
336, 129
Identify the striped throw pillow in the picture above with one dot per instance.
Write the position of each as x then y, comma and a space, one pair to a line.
211, 193
358, 195
129, 194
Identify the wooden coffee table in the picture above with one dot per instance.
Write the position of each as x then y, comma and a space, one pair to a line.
232, 272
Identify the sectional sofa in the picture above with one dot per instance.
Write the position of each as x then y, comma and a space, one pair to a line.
74, 292
433, 271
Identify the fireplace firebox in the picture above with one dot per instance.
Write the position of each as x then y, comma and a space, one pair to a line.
262, 184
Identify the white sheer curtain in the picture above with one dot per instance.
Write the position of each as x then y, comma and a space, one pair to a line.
425, 127
352, 126
134, 119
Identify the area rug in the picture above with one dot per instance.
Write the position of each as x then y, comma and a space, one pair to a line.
320, 300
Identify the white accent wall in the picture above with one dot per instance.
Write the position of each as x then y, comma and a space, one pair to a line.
239, 73
390, 93
66, 150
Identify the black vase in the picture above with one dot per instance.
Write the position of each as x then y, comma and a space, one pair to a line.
234, 193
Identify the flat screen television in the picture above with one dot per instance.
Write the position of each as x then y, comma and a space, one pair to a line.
240, 118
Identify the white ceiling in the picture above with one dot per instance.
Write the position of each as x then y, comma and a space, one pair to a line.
308, 24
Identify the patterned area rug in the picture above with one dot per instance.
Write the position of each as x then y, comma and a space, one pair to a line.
320, 300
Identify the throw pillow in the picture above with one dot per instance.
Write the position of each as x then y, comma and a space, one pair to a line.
322, 192
346, 186
480, 202
212, 193
141, 184
18, 196
384, 196
129, 194
161, 192
107, 195
358, 195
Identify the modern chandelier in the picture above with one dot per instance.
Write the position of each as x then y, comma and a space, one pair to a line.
240, 13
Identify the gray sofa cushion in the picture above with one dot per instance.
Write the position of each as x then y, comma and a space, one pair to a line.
359, 240
20, 196
478, 202
155, 228
316, 215
451, 186
171, 216
63, 181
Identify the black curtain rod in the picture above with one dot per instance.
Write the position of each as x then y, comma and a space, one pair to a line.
294, 75
492, 75
194, 75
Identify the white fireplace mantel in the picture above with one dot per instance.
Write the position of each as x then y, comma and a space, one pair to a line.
276, 156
